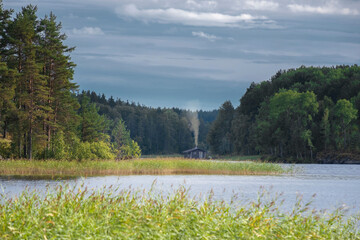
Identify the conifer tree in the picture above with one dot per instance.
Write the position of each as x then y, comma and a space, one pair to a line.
7, 92
58, 71
7, 76
31, 89
93, 126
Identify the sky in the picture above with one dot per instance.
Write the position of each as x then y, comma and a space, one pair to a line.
196, 53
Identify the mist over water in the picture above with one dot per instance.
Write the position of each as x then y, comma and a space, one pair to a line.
194, 124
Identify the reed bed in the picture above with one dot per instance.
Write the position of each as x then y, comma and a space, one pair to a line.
67, 213
158, 166
241, 158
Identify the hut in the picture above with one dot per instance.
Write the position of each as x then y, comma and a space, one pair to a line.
196, 152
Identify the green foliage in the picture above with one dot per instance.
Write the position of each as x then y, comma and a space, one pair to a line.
325, 127
60, 148
5, 148
297, 114
156, 130
102, 150
7, 93
79, 150
39, 112
124, 146
93, 125
286, 121
36, 78
343, 115
70, 213
219, 137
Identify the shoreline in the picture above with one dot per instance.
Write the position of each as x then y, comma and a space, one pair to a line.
166, 166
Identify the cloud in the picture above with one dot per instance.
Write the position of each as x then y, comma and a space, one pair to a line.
88, 31
261, 5
192, 18
327, 9
209, 37
203, 5
91, 18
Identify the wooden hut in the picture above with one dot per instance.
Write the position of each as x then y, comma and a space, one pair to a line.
196, 152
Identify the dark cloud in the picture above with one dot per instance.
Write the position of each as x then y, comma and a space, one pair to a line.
155, 53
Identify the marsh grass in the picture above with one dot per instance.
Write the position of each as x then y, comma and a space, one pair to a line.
158, 166
72, 213
162, 156
241, 158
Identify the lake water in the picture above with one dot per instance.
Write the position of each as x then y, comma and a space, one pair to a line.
334, 185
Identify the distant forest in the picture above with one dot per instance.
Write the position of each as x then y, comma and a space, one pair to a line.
42, 115
156, 130
297, 114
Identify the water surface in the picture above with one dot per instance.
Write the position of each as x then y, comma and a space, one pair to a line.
334, 185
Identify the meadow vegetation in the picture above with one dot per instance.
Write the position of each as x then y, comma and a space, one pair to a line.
67, 213
138, 166
241, 158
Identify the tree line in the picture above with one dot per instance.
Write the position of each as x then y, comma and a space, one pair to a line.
156, 130
43, 115
296, 114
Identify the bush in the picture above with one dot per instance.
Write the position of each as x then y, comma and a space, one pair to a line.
129, 151
5, 148
102, 150
60, 148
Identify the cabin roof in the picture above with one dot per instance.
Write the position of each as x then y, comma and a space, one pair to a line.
194, 149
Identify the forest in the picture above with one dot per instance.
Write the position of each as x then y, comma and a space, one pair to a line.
43, 115
297, 114
156, 130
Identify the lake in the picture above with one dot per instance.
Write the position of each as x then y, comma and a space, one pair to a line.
334, 185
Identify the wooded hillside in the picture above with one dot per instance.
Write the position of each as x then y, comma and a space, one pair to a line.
297, 113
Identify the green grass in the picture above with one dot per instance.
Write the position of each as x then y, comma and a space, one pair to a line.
241, 158
53, 168
163, 156
80, 214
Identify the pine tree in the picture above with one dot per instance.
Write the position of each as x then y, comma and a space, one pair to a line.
7, 76
93, 126
124, 146
7, 92
58, 70
5, 20
31, 89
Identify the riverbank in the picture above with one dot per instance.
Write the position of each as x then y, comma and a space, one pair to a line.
67, 213
155, 166
330, 157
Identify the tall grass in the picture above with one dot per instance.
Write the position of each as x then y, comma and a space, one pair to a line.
139, 166
162, 156
81, 214
241, 158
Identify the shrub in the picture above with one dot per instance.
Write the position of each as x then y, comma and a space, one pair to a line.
5, 148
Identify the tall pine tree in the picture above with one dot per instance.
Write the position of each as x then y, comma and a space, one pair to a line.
57, 68
31, 89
